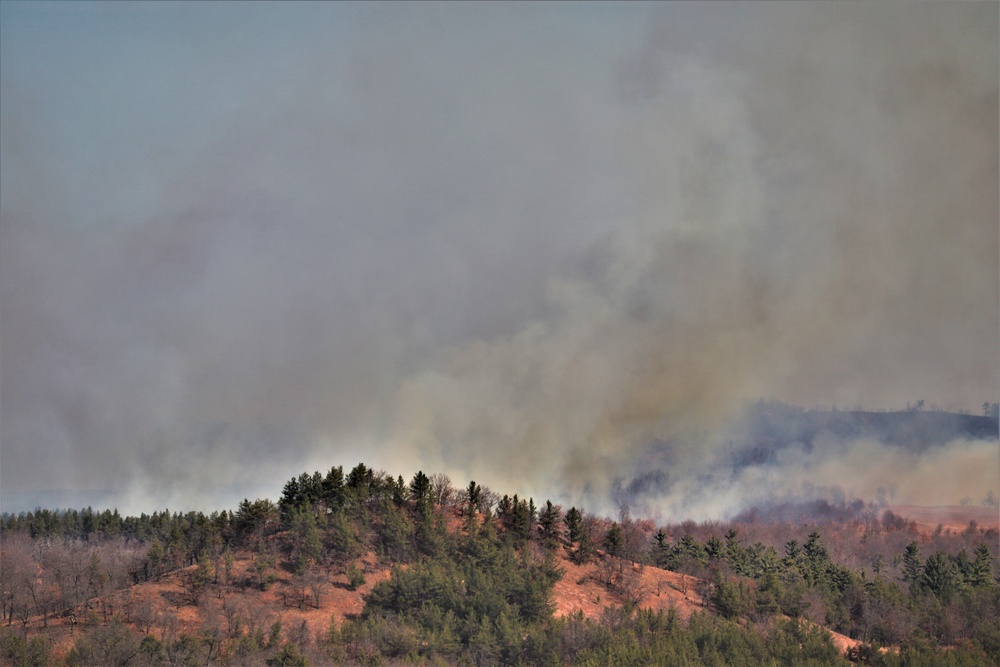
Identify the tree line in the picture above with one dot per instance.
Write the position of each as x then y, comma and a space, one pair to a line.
472, 579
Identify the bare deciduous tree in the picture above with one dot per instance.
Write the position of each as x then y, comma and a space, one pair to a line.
442, 492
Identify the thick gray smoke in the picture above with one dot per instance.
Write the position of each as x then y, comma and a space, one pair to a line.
542, 247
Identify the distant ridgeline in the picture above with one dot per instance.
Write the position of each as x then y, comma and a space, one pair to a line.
770, 426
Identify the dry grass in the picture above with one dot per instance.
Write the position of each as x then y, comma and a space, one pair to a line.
169, 601
955, 518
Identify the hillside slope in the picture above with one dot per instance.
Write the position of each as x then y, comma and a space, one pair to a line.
172, 606
364, 568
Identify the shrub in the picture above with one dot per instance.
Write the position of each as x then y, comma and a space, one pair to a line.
355, 577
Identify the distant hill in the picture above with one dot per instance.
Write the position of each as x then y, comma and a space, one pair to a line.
769, 427
912, 430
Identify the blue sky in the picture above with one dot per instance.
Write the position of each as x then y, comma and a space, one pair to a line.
510, 242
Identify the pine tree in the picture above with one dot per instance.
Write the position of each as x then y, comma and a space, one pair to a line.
793, 554
399, 492
961, 565
333, 488
819, 561
689, 548
474, 493
523, 519
736, 554
982, 568
613, 540
358, 484
549, 519
307, 540
420, 490
574, 523
938, 577
713, 547
291, 497
395, 534
505, 510
912, 567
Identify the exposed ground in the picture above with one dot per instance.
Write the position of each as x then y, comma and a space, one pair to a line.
580, 590
168, 600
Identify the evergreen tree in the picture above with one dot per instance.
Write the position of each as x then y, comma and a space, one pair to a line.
982, 568
307, 539
344, 538
938, 577
431, 533
574, 522
549, 519
395, 534
962, 566
291, 497
713, 547
912, 566
818, 559
690, 553
737, 555
358, 487
613, 540
795, 561
420, 491
505, 510
333, 488
473, 494
584, 550
399, 492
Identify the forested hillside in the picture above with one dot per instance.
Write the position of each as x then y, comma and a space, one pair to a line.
368, 568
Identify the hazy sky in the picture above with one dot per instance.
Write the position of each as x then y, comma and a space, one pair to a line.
511, 242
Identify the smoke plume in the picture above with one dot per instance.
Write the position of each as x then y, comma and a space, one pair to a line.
555, 249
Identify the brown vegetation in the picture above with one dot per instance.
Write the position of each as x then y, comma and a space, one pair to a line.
954, 518
305, 575
172, 604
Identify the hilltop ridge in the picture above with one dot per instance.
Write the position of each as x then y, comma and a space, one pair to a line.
770, 427
364, 568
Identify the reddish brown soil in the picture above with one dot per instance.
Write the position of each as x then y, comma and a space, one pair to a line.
172, 602
580, 589
843, 642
